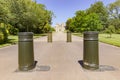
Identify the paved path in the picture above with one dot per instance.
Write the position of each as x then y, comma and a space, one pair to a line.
59, 61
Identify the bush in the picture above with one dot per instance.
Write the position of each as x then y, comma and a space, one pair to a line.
13, 31
52, 29
3, 35
118, 31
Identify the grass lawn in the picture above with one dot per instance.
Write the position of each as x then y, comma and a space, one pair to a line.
13, 39
114, 40
105, 38
78, 34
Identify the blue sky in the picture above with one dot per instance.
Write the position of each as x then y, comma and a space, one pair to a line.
64, 9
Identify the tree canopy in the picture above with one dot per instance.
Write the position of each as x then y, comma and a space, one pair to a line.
96, 18
25, 15
114, 14
84, 22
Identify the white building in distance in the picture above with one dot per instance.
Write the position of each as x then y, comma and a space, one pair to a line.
60, 27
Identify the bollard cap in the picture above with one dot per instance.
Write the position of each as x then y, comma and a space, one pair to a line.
25, 36
25, 33
68, 31
91, 35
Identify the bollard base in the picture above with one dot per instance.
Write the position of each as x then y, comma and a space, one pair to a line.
69, 41
90, 66
27, 68
49, 41
50, 37
69, 37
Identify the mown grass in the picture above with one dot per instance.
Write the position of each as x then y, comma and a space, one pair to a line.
13, 39
39, 35
105, 38
114, 40
78, 34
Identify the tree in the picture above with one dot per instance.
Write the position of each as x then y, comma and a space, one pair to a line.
3, 33
47, 28
69, 25
27, 15
80, 21
114, 9
114, 13
93, 23
3, 21
84, 22
3, 11
110, 30
100, 10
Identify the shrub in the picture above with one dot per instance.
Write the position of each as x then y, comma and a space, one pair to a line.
13, 31
118, 31
3, 35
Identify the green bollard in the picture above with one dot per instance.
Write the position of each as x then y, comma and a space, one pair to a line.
69, 37
26, 53
49, 37
91, 56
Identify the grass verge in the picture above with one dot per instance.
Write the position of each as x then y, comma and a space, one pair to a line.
78, 34
105, 38
13, 39
114, 40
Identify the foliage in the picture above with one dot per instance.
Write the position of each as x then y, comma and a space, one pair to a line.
52, 29
47, 28
1, 37
70, 25
114, 15
3, 33
84, 22
96, 18
24, 15
13, 31
110, 30
21, 16
114, 9
114, 40
99, 8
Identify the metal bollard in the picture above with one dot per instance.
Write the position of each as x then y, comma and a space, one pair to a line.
91, 56
69, 37
49, 36
26, 53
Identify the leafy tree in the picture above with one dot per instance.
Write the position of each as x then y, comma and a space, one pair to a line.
1, 36
99, 8
22, 16
27, 15
3, 21
93, 22
47, 28
68, 23
114, 9
3, 12
110, 30
80, 21
3, 33
84, 22
12, 30
114, 12
52, 29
